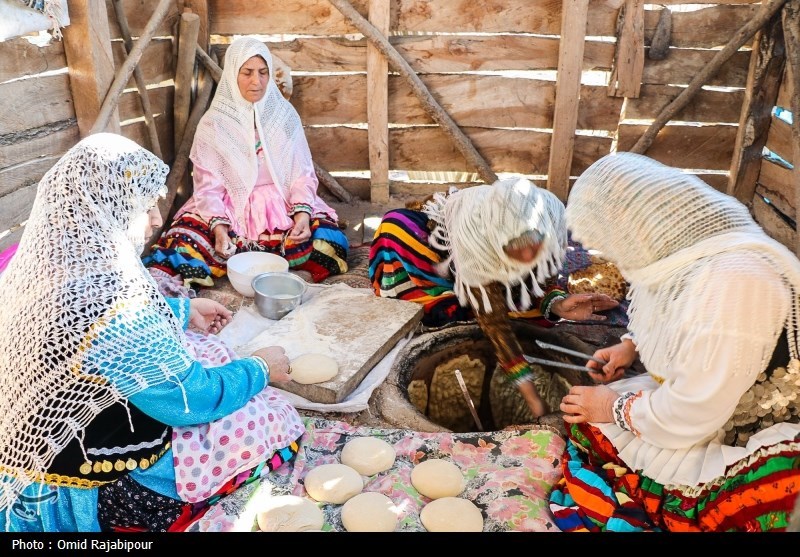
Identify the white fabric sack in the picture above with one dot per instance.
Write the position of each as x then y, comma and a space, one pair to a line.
17, 19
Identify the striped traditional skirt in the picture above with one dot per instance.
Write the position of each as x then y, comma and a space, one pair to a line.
402, 265
598, 492
187, 249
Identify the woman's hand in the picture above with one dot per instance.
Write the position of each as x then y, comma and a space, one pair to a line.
207, 315
537, 406
588, 404
582, 307
619, 357
222, 241
301, 231
278, 363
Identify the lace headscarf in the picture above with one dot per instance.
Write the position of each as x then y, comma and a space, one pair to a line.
475, 224
671, 234
78, 267
224, 141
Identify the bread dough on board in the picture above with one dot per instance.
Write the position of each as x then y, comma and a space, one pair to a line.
368, 455
313, 368
436, 478
333, 483
290, 513
370, 512
451, 514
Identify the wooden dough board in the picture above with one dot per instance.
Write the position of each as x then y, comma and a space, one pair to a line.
351, 325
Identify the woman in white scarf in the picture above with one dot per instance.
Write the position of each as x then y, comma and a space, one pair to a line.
106, 414
255, 186
712, 429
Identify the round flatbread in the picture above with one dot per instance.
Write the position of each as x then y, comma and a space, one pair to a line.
313, 368
436, 478
370, 512
333, 483
451, 514
368, 455
290, 513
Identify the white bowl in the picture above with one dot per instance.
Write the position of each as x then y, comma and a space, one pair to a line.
244, 267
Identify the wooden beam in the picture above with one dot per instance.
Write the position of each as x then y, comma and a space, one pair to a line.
767, 62
138, 76
200, 7
765, 13
568, 84
378, 105
791, 30
124, 73
87, 46
188, 31
398, 63
626, 75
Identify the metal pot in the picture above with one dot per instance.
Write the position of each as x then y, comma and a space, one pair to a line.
277, 293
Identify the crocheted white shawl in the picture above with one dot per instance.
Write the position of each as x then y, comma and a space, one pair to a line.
224, 144
474, 225
77, 267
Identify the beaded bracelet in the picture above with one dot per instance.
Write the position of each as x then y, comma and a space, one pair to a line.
264, 366
300, 208
517, 371
549, 306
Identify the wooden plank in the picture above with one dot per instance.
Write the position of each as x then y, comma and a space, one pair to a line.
573, 32
19, 176
626, 76
709, 27
767, 65
378, 105
777, 180
680, 66
137, 131
691, 147
341, 149
52, 144
138, 13
717, 181
200, 7
188, 31
91, 63
773, 224
781, 197
16, 206
161, 101
20, 58
157, 63
785, 92
294, 17
709, 106
31, 103
779, 139
790, 20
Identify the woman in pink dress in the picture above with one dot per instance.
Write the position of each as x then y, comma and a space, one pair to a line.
255, 188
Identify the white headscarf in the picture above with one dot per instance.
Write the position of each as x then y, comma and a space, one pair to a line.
224, 141
666, 231
475, 224
76, 268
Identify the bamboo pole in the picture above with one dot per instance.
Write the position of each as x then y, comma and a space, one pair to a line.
141, 85
431, 106
124, 73
679, 103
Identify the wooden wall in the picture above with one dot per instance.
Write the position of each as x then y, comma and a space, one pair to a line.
492, 65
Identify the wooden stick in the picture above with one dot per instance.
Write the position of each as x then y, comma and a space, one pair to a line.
679, 103
468, 398
324, 177
138, 76
378, 106
431, 106
189, 30
125, 71
791, 34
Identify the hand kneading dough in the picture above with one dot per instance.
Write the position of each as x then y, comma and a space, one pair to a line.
290, 513
451, 514
368, 455
333, 483
437, 478
313, 368
369, 512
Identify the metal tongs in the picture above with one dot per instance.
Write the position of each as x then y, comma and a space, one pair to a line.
554, 363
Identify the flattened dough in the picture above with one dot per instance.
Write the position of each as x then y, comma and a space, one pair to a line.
314, 368
368, 455
436, 478
451, 514
290, 513
333, 483
370, 512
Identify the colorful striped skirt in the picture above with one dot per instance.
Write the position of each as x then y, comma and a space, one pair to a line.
598, 492
187, 249
402, 265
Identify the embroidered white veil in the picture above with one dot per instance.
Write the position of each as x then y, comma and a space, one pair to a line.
224, 140
76, 268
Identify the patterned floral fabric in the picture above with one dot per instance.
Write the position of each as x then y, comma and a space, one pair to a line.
508, 476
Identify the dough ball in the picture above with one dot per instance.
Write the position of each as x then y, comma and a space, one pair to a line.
437, 478
451, 514
290, 513
313, 368
370, 512
333, 483
368, 455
